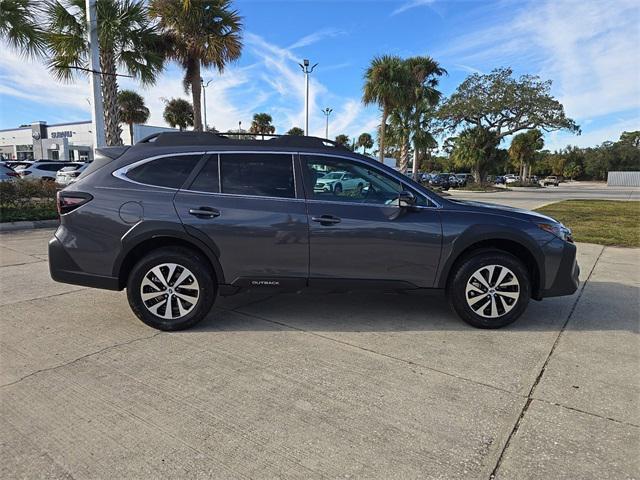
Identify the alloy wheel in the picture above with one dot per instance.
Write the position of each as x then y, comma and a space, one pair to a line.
169, 291
492, 291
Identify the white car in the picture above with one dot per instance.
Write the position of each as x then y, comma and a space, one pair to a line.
511, 178
68, 175
43, 169
338, 182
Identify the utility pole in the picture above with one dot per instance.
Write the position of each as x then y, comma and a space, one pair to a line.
305, 68
204, 100
95, 82
327, 111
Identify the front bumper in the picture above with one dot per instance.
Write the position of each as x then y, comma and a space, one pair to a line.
566, 280
63, 269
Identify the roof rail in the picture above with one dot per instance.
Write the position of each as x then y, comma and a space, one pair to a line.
237, 138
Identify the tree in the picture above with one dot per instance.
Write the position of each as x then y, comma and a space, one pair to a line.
296, 131
503, 105
178, 113
383, 86
199, 34
523, 150
131, 109
261, 124
128, 41
365, 141
474, 148
19, 26
631, 138
343, 139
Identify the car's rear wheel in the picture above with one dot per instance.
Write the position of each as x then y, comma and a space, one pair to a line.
171, 288
490, 289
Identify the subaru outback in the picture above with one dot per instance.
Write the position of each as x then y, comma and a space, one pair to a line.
181, 218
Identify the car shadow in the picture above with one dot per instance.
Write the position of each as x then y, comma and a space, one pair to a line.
602, 306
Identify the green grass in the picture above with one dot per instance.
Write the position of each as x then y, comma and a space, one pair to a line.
605, 222
31, 213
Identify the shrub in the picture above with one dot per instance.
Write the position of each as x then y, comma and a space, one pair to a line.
27, 200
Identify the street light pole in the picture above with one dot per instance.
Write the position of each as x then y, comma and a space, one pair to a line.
305, 68
204, 100
97, 111
327, 111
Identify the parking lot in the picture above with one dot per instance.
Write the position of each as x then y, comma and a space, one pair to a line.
321, 386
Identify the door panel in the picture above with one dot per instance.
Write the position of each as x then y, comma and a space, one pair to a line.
363, 233
258, 237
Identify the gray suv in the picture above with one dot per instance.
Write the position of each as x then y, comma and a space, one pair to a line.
180, 218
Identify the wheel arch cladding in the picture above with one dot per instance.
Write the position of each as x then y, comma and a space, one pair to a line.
137, 246
514, 242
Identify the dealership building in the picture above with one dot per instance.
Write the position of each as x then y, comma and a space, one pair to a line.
61, 141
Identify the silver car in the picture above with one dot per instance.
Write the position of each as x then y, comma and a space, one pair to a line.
7, 174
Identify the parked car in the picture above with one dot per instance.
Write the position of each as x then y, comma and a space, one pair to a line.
17, 164
69, 174
464, 179
500, 180
338, 182
42, 170
180, 218
7, 174
440, 180
511, 178
551, 180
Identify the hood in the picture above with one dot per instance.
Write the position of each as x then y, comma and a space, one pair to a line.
324, 181
520, 213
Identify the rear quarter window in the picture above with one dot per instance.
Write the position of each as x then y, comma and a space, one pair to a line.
170, 172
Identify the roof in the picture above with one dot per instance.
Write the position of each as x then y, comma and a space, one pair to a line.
170, 139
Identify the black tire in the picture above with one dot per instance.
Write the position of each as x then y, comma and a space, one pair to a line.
461, 274
185, 257
337, 189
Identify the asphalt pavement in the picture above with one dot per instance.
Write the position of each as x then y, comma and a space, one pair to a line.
318, 386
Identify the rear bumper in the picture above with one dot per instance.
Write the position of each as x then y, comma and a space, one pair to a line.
63, 269
566, 281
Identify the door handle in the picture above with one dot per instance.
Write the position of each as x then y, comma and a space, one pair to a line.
206, 212
326, 219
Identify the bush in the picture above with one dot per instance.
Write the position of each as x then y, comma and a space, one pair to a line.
525, 184
27, 200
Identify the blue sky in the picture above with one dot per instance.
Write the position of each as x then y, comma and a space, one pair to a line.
589, 50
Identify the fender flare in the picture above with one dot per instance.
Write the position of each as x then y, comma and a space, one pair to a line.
480, 233
155, 230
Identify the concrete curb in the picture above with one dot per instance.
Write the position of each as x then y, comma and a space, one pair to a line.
15, 226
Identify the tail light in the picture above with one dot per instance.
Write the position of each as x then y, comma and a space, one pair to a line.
69, 201
12, 174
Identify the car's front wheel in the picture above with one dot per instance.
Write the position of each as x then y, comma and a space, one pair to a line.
171, 288
490, 289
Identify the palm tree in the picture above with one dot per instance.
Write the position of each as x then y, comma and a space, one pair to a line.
343, 139
296, 131
523, 150
262, 124
365, 141
383, 80
178, 113
127, 40
131, 109
203, 33
19, 27
421, 99
475, 148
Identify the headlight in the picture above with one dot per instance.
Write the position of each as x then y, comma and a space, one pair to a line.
557, 229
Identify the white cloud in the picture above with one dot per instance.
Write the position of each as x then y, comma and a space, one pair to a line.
589, 50
408, 5
273, 83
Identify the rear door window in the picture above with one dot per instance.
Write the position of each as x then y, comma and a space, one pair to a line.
170, 172
257, 174
207, 179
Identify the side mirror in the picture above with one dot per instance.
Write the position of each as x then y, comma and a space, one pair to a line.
406, 199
